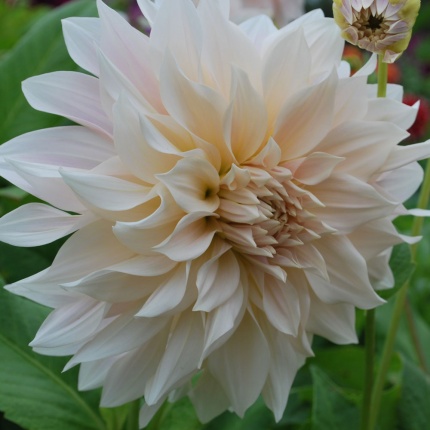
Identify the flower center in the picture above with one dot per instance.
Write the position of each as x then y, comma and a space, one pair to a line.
370, 27
267, 213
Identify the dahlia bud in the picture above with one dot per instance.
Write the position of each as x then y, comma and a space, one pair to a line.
380, 26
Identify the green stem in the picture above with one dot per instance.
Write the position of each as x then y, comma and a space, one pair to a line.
370, 357
382, 77
133, 416
367, 406
415, 337
399, 307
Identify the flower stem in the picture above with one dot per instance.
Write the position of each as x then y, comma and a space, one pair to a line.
382, 77
133, 416
370, 354
399, 307
366, 409
414, 335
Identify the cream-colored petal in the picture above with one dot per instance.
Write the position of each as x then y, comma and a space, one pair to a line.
131, 135
73, 95
35, 224
217, 280
248, 120
82, 37
194, 184
65, 329
242, 364
180, 358
312, 105
191, 237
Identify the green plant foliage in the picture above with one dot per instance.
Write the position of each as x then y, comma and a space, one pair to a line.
331, 410
404, 343
15, 20
402, 268
41, 50
414, 410
258, 417
343, 364
179, 415
33, 391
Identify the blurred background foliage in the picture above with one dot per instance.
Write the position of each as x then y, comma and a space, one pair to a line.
35, 395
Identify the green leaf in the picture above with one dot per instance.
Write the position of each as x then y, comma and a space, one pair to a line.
15, 20
257, 417
387, 419
331, 409
115, 418
402, 268
17, 263
12, 192
33, 391
343, 364
41, 50
298, 410
414, 411
179, 415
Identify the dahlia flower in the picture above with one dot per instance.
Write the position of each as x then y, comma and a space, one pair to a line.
230, 190
380, 26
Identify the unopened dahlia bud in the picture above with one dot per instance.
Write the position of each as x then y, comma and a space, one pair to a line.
380, 26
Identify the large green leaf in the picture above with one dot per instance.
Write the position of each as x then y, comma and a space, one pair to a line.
33, 391
179, 415
331, 409
414, 411
343, 364
402, 268
15, 20
41, 50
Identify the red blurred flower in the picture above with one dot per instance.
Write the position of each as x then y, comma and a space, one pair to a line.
420, 126
354, 56
394, 73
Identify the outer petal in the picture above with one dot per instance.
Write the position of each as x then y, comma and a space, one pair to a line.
196, 107
124, 334
128, 50
128, 377
70, 94
286, 359
178, 29
357, 208
241, 365
106, 192
217, 280
180, 359
208, 397
82, 37
222, 321
168, 295
281, 78
281, 305
32, 161
349, 282
335, 322
36, 224
363, 138
312, 105
132, 134
248, 121
65, 329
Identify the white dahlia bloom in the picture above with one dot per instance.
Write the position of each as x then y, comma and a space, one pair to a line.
231, 189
